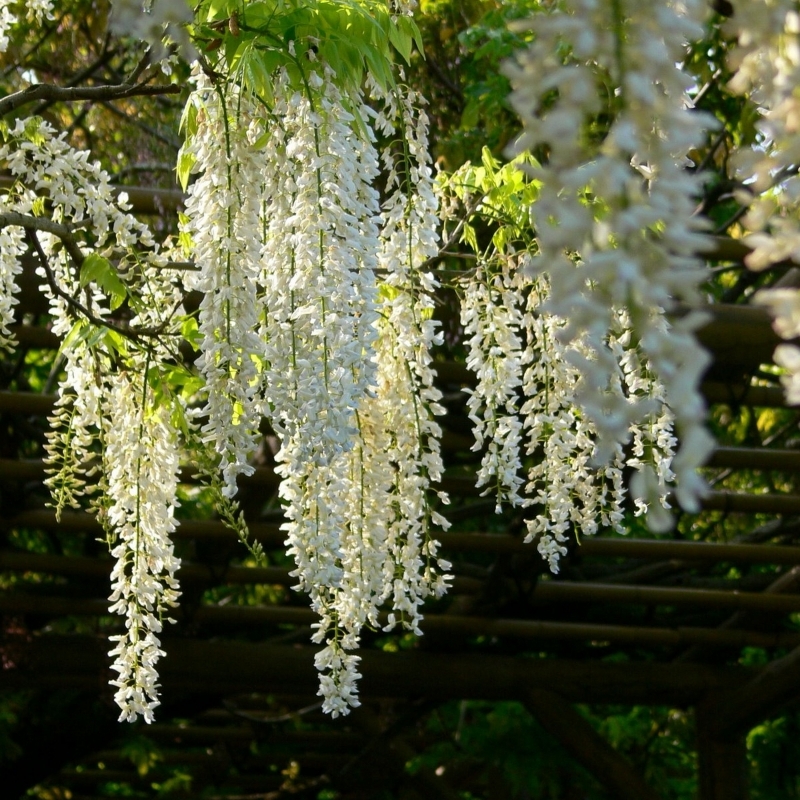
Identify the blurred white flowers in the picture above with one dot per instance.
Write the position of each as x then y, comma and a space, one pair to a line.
638, 253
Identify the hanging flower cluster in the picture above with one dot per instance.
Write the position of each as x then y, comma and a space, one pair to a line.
622, 200
766, 61
142, 458
320, 337
524, 403
288, 236
223, 209
493, 326
36, 11
12, 247
107, 420
767, 64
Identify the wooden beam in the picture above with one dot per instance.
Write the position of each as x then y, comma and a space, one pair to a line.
546, 592
271, 534
708, 552
737, 394
450, 625
230, 667
715, 392
219, 574
788, 583
738, 502
755, 458
587, 747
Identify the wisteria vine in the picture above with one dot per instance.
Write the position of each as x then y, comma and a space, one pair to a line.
317, 310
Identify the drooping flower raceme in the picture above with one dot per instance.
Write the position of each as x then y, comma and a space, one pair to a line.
623, 201
223, 209
767, 64
524, 403
12, 246
288, 244
39, 10
407, 397
318, 269
142, 462
540, 445
492, 320
107, 420
565, 485
36, 11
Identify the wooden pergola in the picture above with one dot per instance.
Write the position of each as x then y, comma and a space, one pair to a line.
628, 621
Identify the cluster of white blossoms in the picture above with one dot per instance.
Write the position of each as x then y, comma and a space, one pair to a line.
288, 235
407, 398
319, 265
12, 247
7, 21
36, 11
39, 10
141, 460
492, 321
106, 421
525, 400
223, 209
622, 201
767, 64
317, 313
565, 484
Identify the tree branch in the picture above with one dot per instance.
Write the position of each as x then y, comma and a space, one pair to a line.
46, 91
134, 334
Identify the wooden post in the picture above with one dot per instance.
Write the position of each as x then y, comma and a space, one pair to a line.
398, 752
587, 747
722, 760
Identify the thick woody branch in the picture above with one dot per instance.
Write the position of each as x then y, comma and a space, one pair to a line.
722, 762
46, 91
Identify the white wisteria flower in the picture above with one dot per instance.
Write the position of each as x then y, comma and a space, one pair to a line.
492, 322
640, 252
141, 469
7, 21
223, 212
766, 61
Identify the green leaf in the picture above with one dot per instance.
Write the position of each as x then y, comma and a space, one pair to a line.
189, 120
191, 332
78, 332
401, 41
186, 161
220, 9
258, 15
488, 160
116, 342
411, 29
93, 269
468, 235
101, 271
